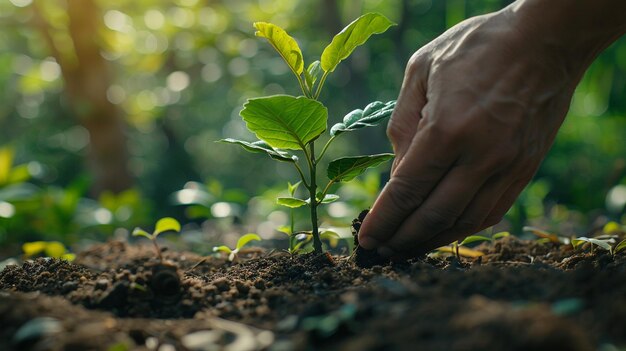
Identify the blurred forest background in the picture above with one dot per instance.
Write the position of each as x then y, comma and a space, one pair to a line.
109, 111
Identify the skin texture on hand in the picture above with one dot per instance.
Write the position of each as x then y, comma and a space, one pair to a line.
479, 108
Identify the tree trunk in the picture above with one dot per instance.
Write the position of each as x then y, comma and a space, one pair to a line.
87, 77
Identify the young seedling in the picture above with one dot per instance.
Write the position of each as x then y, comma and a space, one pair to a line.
243, 241
459, 249
544, 236
285, 122
604, 243
163, 225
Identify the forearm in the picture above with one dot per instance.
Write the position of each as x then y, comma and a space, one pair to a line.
575, 30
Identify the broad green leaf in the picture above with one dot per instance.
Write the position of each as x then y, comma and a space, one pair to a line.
166, 224
284, 121
55, 249
355, 34
291, 202
312, 73
293, 187
262, 147
620, 246
222, 248
285, 45
474, 238
500, 235
246, 239
141, 232
33, 248
371, 116
347, 168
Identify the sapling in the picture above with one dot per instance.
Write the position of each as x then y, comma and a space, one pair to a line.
459, 249
162, 225
285, 122
243, 241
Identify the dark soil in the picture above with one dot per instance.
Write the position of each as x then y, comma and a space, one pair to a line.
521, 295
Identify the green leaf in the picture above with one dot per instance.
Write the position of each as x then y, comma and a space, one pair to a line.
601, 243
355, 34
328, 198
33, 248
312, 73
285, 45
620, 246
222, 248
293, 187
285, 122
474, 238
262, 147
55, 249
347, 168
291, 202
500, 235
166, 224
141, 232
246, 239
371, 116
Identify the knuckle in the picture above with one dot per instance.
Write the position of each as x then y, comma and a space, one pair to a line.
436, 219
404, 194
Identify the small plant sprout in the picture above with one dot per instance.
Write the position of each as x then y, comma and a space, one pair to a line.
460, 249
165, 224
284, 122
601, 242
243, 241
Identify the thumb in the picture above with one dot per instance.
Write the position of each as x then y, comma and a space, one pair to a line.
407, 113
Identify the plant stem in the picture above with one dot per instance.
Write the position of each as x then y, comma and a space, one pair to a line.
325, 148
326, 190
317, 243
320, 85
292, 235
301, 175
158, 251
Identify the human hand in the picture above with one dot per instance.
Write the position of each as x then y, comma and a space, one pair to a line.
478, 110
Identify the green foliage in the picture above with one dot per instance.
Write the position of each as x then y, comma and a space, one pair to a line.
355, 34
371, 116
347, 168
48, 248
163, 225
295, 123
285, 122
243, 241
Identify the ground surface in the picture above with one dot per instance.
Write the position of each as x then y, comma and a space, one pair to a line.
521, 295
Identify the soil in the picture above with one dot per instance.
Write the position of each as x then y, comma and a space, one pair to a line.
520, 295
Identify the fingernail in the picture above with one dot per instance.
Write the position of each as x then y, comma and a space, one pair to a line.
386, 252
368, 243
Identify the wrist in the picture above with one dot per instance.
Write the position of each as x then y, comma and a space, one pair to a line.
574, 32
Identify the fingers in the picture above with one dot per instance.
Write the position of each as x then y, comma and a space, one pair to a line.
505, 202
407, 113
430, 160
439, 213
